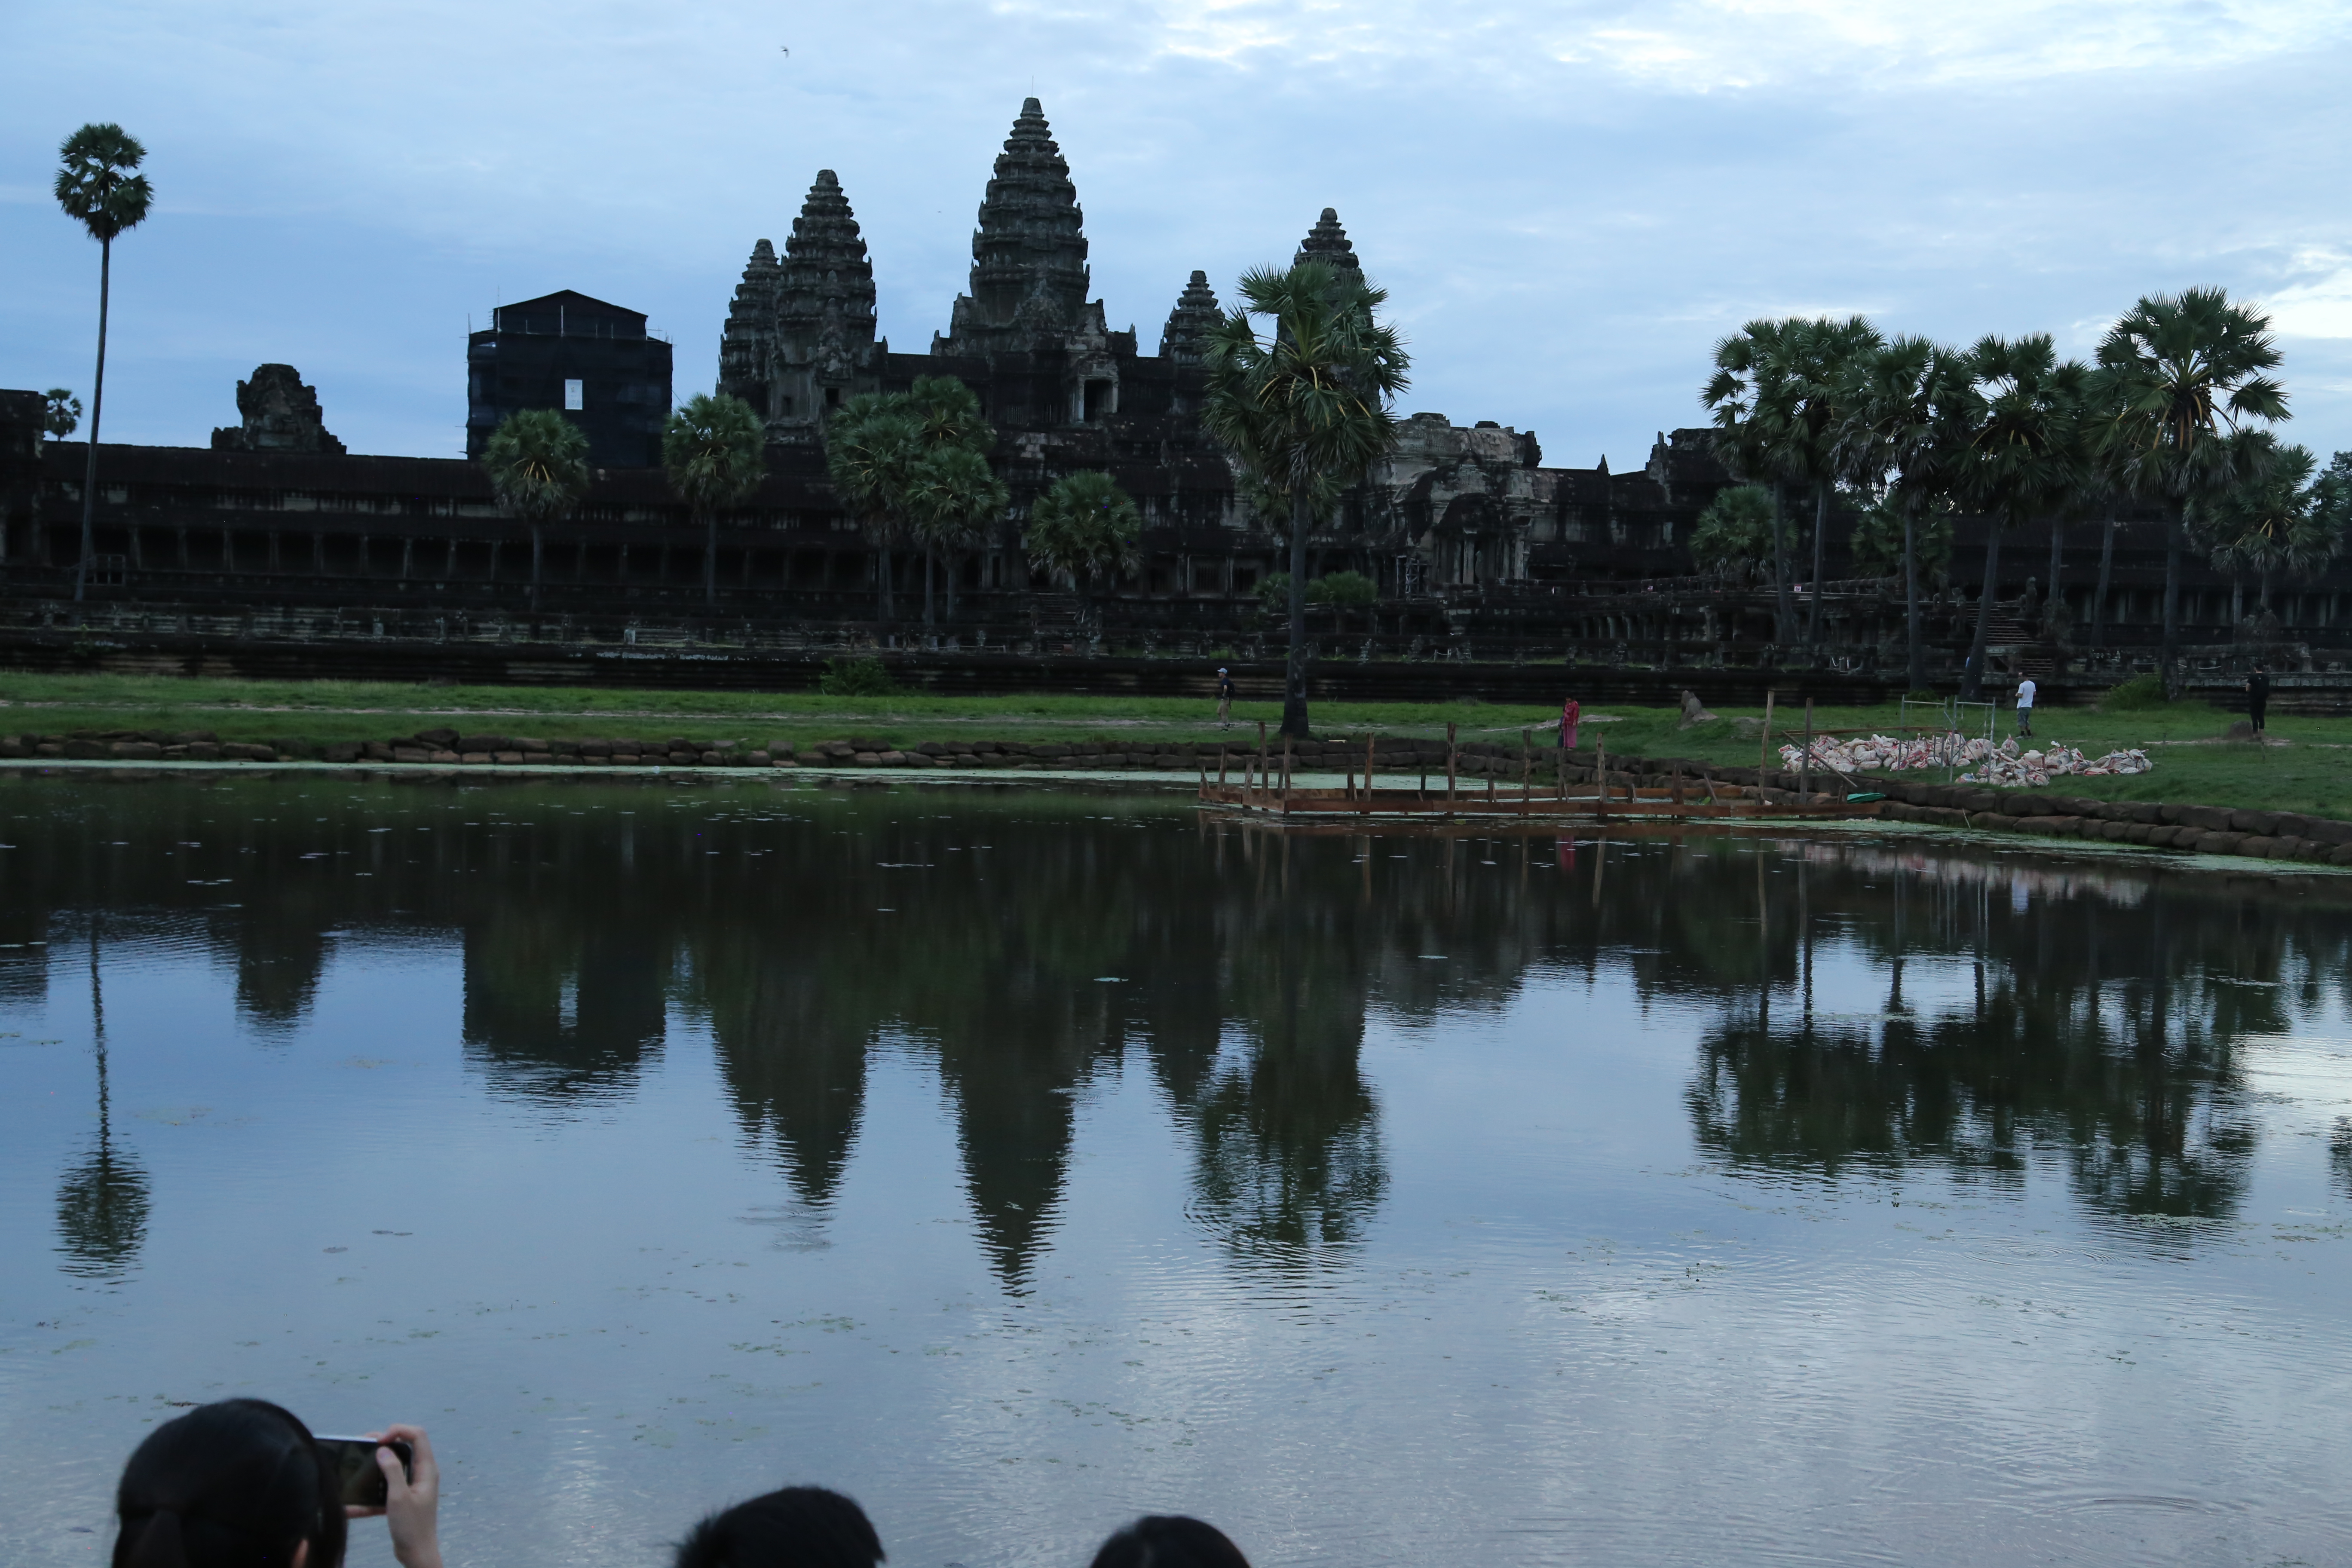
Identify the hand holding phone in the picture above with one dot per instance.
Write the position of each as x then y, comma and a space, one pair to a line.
360, 1480
393, 1473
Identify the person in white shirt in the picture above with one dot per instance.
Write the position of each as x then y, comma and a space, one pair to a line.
2025, 706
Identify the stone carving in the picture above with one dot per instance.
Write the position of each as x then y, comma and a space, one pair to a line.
280, 414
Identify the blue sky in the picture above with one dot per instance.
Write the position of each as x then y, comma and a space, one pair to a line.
1568, 202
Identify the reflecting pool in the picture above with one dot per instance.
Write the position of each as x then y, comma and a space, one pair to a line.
1020, 1161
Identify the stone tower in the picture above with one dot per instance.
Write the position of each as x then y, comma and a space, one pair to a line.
800, 333
1027, 313
1029, 254
1196, 315
277, 413
1326, 242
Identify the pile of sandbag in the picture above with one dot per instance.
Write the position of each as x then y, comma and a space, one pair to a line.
1989, 764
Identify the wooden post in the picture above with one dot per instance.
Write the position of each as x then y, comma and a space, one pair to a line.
1451, 752
1805, 762
1221, 767
1601, 774
1369, 741
1262, 784
1286, 778
1526, 768
1763, 747
1676, 795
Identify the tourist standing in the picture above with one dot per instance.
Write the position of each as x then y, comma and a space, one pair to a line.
2025, 706
1569, 715
1224, 698
2258, 696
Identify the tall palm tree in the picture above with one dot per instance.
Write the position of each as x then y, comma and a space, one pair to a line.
538, 464
871, 444
2024, 452
715, 448
952, 497
1745, 394
1907, 421
97, 189
1305, 409
1085, 530
1782, 391
2177, 373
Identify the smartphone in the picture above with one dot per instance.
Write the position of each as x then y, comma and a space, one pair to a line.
353, 1461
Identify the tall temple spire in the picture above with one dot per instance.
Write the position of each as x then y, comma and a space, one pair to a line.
1196, 315
1326, 242
1029, 254
827, 276
750, 321
800, 329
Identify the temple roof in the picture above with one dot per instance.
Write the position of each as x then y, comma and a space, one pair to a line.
825, 266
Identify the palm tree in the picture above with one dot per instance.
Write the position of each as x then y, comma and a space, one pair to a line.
1304, 410
2176, 374
60, 412
952, 497
1906, 420
871, 444
97, 189
2024, 452
2271, 523
538, 463
1084, 529
1749, 385
1782, 392
715, 448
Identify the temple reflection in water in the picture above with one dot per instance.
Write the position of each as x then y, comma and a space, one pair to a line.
1861, 1007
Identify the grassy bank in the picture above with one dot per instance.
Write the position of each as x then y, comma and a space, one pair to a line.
2309, 771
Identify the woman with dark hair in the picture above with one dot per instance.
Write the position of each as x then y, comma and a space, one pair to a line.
241, 1484
1169, 1541
799, 1527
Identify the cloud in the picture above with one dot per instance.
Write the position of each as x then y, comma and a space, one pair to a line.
1568, 202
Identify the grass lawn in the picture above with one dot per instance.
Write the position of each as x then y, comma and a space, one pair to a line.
2310, 772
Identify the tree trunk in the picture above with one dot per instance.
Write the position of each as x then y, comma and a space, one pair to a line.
882, 577
1784, 619
1973, 687
710, 559
929, 554
2169, 654
1294, 680
1820, 538
2106, 574
537, 554
1915, 648
955, 564
2262, 604
2049, 599
97, 406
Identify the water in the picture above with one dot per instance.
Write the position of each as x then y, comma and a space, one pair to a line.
1020, 1161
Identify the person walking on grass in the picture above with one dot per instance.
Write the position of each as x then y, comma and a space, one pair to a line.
2258, 696
1569, 715
1225, 699
2025, 707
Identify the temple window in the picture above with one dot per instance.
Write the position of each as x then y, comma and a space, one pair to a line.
573, 397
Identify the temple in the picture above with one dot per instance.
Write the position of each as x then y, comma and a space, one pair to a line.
1479, 549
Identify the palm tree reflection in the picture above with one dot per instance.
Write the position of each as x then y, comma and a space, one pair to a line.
102, 1202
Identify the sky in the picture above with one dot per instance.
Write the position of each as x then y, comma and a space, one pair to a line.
1568, 202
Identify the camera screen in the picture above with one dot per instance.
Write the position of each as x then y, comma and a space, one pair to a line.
353, 1461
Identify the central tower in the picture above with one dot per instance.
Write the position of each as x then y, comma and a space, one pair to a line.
1027, 313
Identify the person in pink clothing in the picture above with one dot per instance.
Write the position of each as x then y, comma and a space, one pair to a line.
1569, 713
